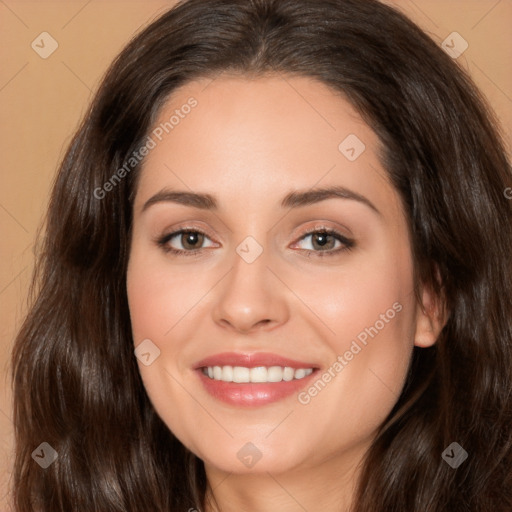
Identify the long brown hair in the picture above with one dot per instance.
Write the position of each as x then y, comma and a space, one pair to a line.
76, 381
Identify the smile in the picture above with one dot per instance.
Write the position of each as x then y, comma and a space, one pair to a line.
253, 379
242, 374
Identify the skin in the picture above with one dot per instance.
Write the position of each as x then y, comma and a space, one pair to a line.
249, 143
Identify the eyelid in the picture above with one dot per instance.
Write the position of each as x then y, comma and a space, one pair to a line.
347, 243
175, 230
164, 239
324, 229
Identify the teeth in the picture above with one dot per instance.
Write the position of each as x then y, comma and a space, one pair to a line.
300, 373
258, 374
217, 372
241, 374
289, 373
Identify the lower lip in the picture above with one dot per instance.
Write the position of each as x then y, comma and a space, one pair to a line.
252, 394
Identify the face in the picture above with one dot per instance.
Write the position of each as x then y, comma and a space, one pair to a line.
308, 295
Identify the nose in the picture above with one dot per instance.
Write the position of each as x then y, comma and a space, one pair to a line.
251, 297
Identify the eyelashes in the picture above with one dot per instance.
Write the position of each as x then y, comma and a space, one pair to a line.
164, 242
324, 236
328, 233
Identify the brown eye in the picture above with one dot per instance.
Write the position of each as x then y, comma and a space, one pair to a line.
323, 240
326, 242
191, 239
189, 242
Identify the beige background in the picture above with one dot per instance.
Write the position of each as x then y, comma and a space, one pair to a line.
42, 101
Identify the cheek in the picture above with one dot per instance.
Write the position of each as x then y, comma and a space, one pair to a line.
370, 313
159, 297
159, 302
369, 299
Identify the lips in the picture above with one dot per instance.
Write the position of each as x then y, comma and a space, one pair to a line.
252, 360
252, 394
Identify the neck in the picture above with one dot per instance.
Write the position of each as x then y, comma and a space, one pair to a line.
328, 486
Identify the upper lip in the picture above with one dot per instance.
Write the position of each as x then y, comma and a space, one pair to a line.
252, 360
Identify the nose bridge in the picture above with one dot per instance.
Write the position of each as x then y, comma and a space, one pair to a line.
249, 297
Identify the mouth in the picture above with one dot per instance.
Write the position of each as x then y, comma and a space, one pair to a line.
253, 379
259, 374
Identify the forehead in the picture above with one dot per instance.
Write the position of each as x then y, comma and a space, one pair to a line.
263, 135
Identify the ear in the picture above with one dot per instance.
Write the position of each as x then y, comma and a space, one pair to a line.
431, 317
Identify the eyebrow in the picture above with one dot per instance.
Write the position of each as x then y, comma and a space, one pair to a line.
295, 199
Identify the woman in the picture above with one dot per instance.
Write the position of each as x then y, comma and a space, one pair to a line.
257, 373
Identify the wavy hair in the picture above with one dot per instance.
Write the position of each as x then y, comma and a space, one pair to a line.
75, 378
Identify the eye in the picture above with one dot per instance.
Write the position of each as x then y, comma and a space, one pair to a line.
323, 242
190, 241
